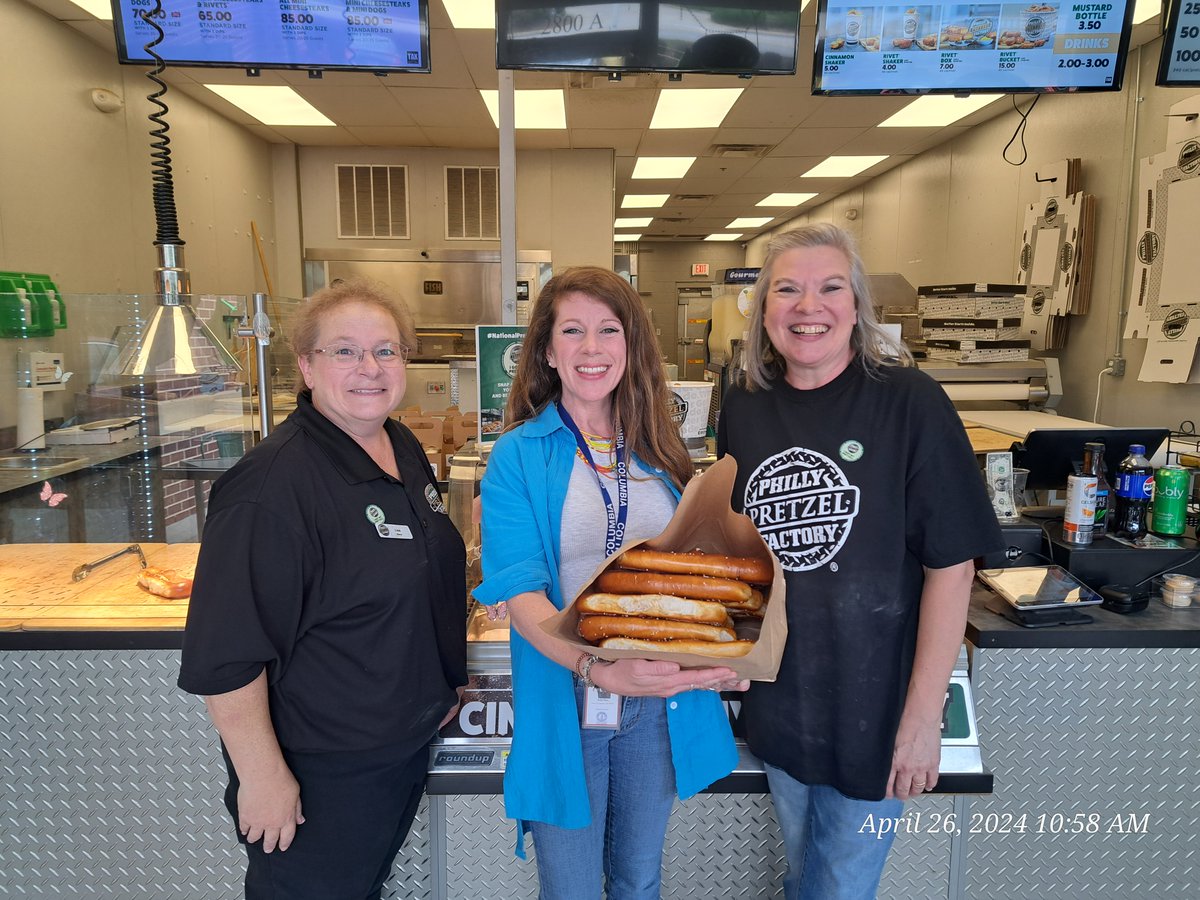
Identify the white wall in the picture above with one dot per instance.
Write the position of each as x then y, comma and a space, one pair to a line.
956, 212
564, 200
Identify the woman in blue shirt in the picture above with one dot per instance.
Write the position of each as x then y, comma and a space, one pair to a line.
592, 462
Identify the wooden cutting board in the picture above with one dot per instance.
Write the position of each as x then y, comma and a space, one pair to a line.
37, 593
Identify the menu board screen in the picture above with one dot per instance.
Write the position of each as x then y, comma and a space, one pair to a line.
371, 35
955, 48
1179, 65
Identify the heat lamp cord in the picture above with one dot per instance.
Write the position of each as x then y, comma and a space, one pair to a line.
166, 222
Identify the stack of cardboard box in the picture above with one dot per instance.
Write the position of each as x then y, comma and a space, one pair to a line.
442, 434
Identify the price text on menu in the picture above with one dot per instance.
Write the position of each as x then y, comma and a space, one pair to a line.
1182, 49
999, 46
382, 34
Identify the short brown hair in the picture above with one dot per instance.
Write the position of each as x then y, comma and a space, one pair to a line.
307, 325
640, 406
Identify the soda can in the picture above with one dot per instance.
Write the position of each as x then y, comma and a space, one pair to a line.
1080, 513
1168, 511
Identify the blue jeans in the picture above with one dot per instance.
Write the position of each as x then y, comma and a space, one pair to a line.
834, 851
631, 788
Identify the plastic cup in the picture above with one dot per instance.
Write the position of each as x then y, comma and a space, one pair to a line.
1020, 478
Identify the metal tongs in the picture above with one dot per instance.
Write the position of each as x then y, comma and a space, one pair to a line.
83, 571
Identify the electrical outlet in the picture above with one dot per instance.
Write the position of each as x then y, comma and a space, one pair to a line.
1117, 364
435, 387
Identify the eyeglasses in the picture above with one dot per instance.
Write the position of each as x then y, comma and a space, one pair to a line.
346, 356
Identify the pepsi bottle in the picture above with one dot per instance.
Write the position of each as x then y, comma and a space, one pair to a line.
1135, 487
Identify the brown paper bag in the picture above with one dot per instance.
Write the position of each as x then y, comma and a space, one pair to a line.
704, 521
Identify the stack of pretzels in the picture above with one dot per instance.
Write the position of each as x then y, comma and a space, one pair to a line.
679, 602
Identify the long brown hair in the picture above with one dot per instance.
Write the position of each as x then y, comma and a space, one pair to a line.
640, 400
763, 362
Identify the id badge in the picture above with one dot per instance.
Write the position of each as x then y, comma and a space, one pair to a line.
601, 709
396, 532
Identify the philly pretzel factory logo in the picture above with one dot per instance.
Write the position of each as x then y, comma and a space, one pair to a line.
803, 507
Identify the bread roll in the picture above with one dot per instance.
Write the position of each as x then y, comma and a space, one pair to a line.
740, 568
699, 587
703, 648
596, 628
657, 606
164, 582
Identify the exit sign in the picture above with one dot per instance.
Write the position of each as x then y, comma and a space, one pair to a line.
700, 269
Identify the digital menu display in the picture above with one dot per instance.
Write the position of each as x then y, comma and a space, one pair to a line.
371, 35
956, 48
1179, 65
741, 37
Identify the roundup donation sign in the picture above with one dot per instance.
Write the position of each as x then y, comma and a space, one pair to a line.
497, 351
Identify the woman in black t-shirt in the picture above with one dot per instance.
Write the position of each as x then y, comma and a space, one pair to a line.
857, 472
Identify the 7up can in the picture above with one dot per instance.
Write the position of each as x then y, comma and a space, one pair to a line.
1168, 512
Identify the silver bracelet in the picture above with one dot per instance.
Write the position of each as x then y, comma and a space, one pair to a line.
585, 670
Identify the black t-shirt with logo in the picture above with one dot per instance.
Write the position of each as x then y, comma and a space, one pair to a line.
347, 585
855, 486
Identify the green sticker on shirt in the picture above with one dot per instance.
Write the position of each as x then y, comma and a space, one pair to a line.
851, 451
375, 515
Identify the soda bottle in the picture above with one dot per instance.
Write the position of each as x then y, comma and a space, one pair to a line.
1093, 464
1135, 485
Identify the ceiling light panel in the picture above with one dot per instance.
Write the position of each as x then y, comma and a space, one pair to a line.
633, 223
784, 199
936, 110
662, 166
626, 238
644, 201
1143, 10
750, 222
532, 109
471, 13
723, 237
271, 104
693, 107
843, 166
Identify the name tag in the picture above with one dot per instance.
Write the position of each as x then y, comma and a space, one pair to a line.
399, 532
601, 709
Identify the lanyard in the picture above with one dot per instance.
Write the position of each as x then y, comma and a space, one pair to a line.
619, 511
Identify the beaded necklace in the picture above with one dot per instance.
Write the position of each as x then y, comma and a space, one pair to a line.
599, 445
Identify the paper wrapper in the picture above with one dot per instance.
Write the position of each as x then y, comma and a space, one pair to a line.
703, 521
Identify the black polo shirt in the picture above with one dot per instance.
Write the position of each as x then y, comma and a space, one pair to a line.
347, 585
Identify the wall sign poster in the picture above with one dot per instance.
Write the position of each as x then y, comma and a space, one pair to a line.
497, 351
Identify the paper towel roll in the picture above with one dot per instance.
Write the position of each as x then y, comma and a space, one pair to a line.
996, 391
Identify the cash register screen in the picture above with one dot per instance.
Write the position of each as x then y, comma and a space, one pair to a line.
1052, 454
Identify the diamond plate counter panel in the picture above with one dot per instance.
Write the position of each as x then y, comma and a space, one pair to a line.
1094, 753
112, 785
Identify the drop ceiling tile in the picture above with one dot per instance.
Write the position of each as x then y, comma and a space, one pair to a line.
477, 50
862, 111
623, 141
369, 104
610, 108
390, 136
676, 142
316, 136
719, 167
445, 108
768, 136
815, 141
770, 108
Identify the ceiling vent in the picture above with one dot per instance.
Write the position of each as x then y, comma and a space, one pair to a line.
472, 203
692, 198
744, 150
372, 201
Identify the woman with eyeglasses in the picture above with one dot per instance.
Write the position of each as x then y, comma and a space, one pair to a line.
327, 622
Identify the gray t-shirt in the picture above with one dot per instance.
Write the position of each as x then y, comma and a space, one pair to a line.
585, 522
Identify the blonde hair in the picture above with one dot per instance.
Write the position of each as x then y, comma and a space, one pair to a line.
763, 362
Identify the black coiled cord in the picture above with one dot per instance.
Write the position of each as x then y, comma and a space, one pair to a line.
165, 219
